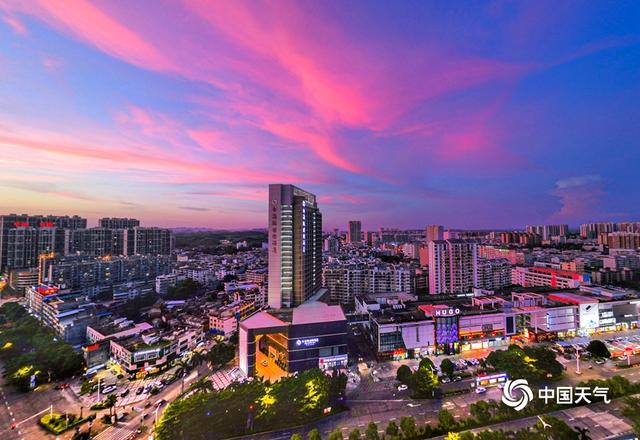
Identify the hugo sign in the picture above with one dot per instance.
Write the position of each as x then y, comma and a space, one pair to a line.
446, 312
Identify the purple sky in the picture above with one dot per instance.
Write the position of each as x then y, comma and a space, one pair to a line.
467, 114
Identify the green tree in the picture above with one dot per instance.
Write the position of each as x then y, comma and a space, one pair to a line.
314, 434
446, 421
467, 435
336, 434
447, 367
426, 363
598, 349
423, 383
110, 402
296, 436
355, 434
408, 427
392, 429
403, 374
481, 411
372, 432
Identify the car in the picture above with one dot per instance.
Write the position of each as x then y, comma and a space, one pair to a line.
414, 405
403, 387
599, 361
445, 380
264, 363
457, 378
125, 393
147, 389
160, 403
567, 356
120, 376
139, 391
481, 390
108, 389
62, 386
144, 416
147, 405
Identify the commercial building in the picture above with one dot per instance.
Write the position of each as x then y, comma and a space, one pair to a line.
295, 246
547, 277
276, 343
453, 266
399, 326
354, 232
66, 314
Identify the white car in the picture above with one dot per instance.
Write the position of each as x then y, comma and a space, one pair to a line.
403, 388
108, 389
445, 380
414, 405
481, 390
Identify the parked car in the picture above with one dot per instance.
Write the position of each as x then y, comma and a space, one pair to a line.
108, 389
125, 393
139, 391
599, 361
160, 402
481, 390
403, 387
445, 379
457, 378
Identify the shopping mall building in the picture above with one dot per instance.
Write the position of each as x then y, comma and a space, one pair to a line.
275, 343
399, 328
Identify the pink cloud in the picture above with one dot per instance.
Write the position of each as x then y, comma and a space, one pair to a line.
16, 25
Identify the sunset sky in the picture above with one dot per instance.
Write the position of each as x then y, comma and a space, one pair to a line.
397, 113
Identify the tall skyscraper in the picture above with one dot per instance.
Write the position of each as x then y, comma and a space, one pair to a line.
453, 266
354, 233
434, 232
295, 246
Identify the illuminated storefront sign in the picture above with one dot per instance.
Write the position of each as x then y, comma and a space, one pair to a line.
309, 342
446, 312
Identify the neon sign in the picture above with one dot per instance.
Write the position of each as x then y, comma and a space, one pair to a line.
309, 342
447, 312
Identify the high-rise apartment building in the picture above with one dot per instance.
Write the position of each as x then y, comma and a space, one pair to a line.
118, 223
295, 246
434, 232
493, 273
548, 231
453, 266
24, 237
354, 233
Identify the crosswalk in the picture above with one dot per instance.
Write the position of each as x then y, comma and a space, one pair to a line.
221, 379
113, 433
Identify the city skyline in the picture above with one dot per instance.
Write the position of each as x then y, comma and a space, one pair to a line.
401, 115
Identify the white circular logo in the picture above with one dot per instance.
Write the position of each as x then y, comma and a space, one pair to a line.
513, 387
